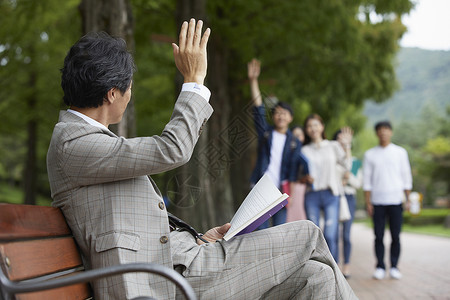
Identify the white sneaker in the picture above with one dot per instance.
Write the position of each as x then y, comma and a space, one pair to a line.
379, 273
395, 273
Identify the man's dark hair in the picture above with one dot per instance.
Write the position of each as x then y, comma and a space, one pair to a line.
93, 66
282, 105
385, 124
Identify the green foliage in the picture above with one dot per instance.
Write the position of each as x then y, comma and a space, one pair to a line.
34, 38
429, 152
438, 146
428, 212
317, 55
12, 150
364, 140
424, 77
14, 194
388, 6
10, 194
427, 219
433, 229
314, 52
154, 95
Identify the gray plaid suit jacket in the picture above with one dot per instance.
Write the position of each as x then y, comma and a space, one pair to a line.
117, 216
114, 209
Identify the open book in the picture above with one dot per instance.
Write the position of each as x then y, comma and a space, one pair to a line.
263, 201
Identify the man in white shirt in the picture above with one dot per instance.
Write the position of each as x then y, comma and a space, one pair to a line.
387, 179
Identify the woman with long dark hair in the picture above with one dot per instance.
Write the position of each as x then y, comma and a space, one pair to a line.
323, 195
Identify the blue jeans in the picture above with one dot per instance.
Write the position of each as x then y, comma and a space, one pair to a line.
317, 201
346, 226
277, 219
394, 215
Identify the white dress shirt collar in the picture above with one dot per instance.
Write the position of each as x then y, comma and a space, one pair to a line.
88, 119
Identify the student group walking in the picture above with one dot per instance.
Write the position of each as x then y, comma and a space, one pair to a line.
322, 178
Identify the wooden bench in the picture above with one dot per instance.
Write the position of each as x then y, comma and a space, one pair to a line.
39, 258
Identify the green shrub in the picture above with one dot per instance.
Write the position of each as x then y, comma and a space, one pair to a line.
426, 217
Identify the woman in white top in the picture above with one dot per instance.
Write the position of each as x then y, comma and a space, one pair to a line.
323, 195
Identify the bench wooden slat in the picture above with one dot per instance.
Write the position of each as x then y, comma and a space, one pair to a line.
24, 221
37, 246
72, 292
29, 259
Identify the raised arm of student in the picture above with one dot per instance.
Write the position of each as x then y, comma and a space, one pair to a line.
254, 69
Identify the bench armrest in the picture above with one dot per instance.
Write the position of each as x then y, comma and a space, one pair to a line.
10, 288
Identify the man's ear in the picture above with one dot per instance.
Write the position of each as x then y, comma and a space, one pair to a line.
111, 96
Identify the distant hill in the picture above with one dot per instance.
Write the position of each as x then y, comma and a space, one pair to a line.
424, 77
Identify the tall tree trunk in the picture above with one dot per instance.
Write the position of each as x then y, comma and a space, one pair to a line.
219, 150
30, 171
191, 192
244, 141
116, 18
204, 197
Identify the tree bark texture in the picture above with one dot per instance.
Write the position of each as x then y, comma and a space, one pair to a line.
188, 190
116, 18
207, 173
217, 172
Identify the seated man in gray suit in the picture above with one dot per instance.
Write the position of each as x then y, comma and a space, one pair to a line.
117, 215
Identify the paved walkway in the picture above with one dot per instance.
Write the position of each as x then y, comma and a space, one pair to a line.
424, 263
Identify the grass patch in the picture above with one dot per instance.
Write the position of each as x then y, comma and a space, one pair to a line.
426, 217
437, 230
429, 222
428, 212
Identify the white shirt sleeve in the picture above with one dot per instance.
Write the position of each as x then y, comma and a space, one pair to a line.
355, 181
198, 89
367, 173
341, 156
406, 172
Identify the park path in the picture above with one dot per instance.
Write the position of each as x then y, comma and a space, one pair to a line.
424, 263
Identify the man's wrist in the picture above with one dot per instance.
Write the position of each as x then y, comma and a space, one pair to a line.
196, 79
199, 89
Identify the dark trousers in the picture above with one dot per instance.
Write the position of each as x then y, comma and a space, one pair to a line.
394, 215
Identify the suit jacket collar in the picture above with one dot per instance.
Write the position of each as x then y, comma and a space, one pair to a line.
68, 117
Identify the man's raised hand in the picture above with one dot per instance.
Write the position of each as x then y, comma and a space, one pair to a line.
190, 55
254, 69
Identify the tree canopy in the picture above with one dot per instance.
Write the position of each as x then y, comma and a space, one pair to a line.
321, 56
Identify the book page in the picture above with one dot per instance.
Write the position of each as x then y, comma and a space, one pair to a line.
262, 197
